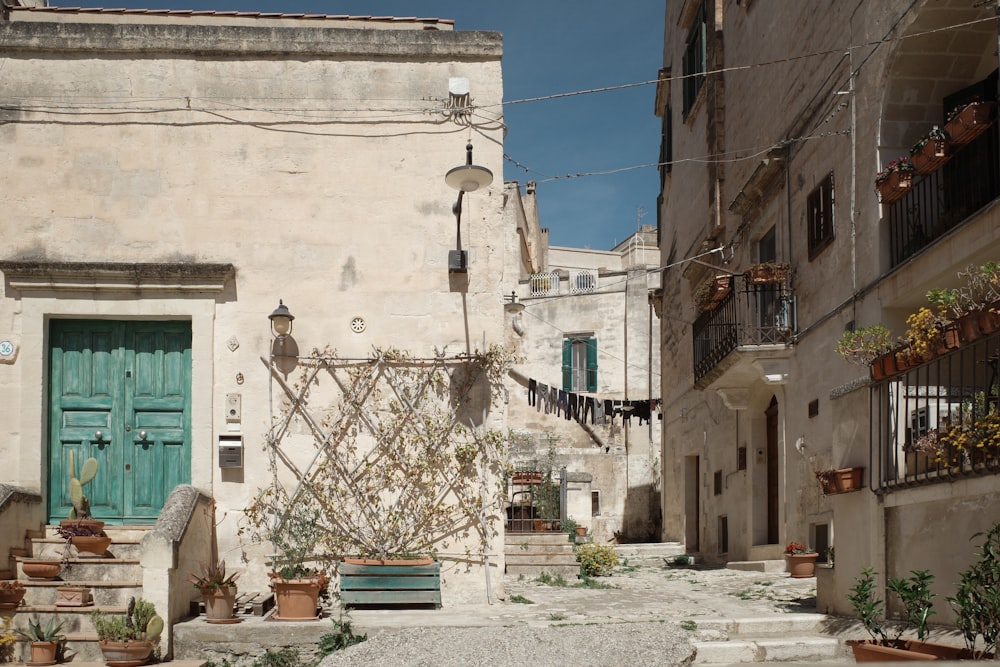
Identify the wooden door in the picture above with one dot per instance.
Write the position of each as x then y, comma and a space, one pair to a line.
120, 392
772, 472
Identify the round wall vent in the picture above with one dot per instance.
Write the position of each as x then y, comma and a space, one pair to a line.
358, 325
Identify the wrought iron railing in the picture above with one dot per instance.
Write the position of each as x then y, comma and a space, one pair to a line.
751, 314
940, 201
939, 421
544, 284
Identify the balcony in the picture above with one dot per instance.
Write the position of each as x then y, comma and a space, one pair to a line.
938, 202
746, 337
938, 422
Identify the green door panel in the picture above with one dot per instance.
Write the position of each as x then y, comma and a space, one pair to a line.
120, 392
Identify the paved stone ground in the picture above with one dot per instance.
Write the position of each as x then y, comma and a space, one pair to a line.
647, 613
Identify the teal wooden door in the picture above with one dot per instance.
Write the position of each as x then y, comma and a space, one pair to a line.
120, 392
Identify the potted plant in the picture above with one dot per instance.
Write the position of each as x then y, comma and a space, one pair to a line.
976, 601
712, 291
801, 560
893, 182
11, 593
931, 152
968, 120
128, 640
840, 480
767, 273
47, 645
80, 514
866, 346
217, 590
88, 540
917, 600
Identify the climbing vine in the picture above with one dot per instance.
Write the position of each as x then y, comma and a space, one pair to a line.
402, 461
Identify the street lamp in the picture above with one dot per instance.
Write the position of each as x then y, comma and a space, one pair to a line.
465, 178
281, 321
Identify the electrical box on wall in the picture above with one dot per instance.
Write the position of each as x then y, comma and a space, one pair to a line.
230, 451
234, 407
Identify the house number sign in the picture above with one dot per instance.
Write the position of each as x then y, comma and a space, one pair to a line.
8, 351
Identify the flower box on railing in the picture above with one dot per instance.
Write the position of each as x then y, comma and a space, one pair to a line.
893, 186
971, 121
932, 155
841, 480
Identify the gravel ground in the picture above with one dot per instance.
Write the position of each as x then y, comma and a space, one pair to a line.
636, 620
632, 644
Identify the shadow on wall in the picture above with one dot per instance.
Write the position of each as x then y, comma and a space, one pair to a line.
643, 520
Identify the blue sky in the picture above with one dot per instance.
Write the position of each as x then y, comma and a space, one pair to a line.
550, 47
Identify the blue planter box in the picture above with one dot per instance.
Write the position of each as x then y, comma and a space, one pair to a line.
390, 585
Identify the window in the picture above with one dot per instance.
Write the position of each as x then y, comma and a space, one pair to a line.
723, 534
718, 482
820, 211
595, 503
694, 60
579, 364
584, 282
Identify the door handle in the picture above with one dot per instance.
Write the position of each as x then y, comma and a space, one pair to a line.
142, 435
98, 436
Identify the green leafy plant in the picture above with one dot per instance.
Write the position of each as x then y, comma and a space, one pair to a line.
977, 597
867, 606
689, 625
862, 346
284, 657
547, 579
341, 637
520, 599
597, 560
36, 632
917, 598
213, 576
948, 302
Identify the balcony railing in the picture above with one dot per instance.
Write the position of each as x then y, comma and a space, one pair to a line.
944, 199
751, 314
940, 421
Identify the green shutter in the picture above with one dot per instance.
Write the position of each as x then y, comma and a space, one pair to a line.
592, 365
567, 365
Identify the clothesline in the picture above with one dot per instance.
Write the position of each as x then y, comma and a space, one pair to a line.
570, 405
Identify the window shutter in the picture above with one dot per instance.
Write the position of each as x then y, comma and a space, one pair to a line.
567, 365
592, 365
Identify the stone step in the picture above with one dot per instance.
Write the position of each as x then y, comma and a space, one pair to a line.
649, 551
515, 540
771, 649
568, 572
120, 534
761, 626
104, 593
55, 547
94, 569
541, 558
757, 565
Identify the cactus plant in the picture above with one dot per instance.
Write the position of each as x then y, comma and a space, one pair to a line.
81, 504
139, 623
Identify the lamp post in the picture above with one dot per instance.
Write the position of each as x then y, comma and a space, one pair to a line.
281, 321
464, 178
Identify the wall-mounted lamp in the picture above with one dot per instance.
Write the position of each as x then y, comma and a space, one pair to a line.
513, 306
281, 321
465, 178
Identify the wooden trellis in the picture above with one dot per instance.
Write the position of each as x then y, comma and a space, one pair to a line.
402, 461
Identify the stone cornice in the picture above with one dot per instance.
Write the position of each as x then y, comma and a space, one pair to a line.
116, 276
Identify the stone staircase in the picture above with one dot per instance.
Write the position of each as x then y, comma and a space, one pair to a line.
112, 579
531, 554
798, 638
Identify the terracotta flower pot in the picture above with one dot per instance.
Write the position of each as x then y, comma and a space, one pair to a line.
905, 651
13, 597
219, 604
91, 546
41, 569
126, 654
297, 599
73, 596
802, 566
43, 653
970, 122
